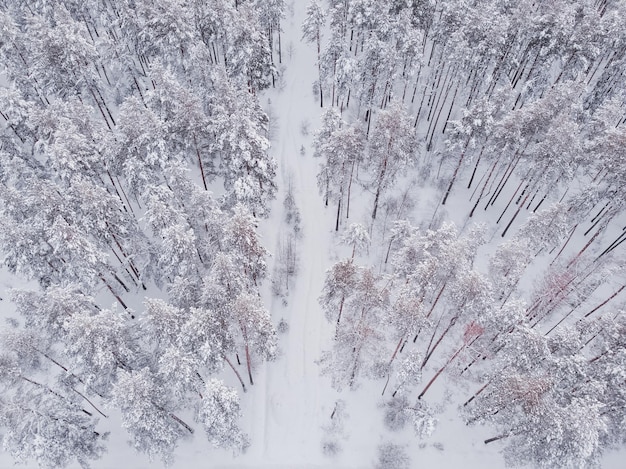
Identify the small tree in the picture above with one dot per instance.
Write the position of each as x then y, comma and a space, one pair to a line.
356, 235
392, 456
339, 283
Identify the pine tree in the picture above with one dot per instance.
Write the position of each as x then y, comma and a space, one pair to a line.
218, 414
147, 413
392, 147
312, 32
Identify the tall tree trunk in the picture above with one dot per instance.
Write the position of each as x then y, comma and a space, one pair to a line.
243, 385
443, 334
469, 185
605, 301
388, 250
496, 438
580, 253
480, 196
565, 244
619, 240
432, 308
200, 163
456, 172
177, 419
376, 201
319, 68
441, 370
476, 394
117, 297
395, 352
381, 179
393, 357
355, 365
519, 208
505, 179
249, 366
445, 125
106, 121
349, 190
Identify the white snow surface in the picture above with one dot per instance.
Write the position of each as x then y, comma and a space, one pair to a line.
286, 410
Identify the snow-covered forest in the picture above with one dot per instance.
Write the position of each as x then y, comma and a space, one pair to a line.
313, 233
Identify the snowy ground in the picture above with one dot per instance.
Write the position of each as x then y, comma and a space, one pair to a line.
290, 404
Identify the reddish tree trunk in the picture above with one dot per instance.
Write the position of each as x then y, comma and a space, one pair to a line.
432, 350
236, 373
434, 378
476, 394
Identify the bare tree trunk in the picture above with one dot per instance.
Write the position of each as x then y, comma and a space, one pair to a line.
436, 299
105, 106
619, 240
343, 298
515, 215
565, 244
388, 250
395, 353
456, 172
605, 301
503, 181
338, 214
177, 419
117, 297
90, 403
496, 438
381, 178
441, 370
480, 196
248, 363
476, 394
432, 308
387, 384
236, 373
101, 110
469, 185
119, 280
445, 332
349, 190
435, 122
50, 390
445, 125
580, 253
355, 365
200, 163
376, 201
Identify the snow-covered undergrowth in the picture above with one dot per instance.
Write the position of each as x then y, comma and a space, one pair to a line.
438, 185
